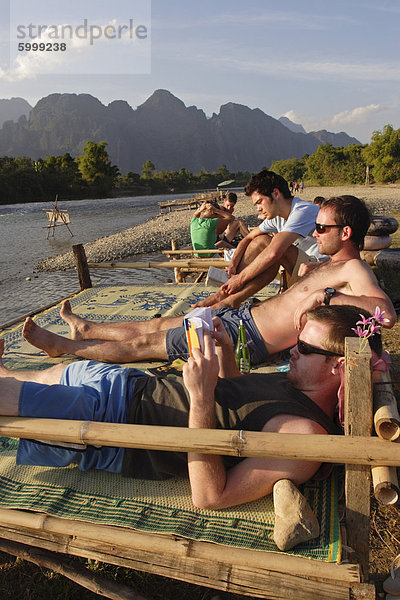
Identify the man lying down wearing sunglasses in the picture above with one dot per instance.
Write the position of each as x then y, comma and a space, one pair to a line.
212, 394
271, 325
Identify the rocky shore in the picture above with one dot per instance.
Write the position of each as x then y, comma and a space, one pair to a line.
156, 234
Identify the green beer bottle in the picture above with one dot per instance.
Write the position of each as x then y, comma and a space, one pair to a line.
242, 354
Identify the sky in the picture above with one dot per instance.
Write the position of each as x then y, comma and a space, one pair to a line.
325, 64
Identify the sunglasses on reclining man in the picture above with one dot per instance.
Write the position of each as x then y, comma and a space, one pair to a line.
321, 227
305, 348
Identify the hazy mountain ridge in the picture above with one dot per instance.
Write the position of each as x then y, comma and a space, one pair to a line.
13, 108
162, 130
295, 127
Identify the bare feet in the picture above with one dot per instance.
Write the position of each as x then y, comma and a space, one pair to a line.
51, 343
79, 327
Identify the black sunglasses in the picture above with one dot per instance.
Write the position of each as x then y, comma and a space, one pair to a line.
321, 227
305, 348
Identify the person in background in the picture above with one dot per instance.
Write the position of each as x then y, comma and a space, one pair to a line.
228, 231
204, 223
284, 238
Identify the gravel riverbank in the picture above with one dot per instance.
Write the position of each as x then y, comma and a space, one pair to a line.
156, 234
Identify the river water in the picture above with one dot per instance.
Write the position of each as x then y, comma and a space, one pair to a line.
23, 244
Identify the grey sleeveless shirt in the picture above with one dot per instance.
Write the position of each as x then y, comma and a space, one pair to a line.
245, 402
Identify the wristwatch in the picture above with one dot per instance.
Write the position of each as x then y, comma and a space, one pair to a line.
329, 292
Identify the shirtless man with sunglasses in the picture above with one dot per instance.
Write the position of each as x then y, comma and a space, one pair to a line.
271, 325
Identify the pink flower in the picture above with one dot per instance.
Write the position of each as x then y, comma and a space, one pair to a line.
368, 327
360, 331
378, 316
364, 320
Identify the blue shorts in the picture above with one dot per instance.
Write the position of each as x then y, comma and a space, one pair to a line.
230, 317
88, 391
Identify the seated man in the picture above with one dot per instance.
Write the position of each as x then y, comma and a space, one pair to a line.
226, 232
271, 326
259, 255
214, 395
203, 226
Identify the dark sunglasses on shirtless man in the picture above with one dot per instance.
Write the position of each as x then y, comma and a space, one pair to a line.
321, 227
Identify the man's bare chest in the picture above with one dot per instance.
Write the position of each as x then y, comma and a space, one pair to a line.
329, 274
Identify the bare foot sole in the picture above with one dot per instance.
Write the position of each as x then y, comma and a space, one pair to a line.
77, 325
42, 339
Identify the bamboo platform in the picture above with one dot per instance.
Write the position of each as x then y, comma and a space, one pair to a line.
270, 575
179, 204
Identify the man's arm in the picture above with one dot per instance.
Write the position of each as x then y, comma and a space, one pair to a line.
241, 248
213, 486
270, 255
224, 351
223, 215
199, 210
364, 292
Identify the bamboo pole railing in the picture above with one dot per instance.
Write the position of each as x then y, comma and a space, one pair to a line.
195, 263
309, 447
191, 251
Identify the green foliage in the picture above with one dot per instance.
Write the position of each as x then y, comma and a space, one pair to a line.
93, 175
292, 169
96, 168
335, 166
148, 170
25, 180
19, 181
159, 182
383, 154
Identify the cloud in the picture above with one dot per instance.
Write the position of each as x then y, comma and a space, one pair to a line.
357, 115
312, 70
292, 116
293, 20
78, 49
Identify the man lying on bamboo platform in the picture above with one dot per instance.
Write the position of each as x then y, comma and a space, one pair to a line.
271, 326
213, 394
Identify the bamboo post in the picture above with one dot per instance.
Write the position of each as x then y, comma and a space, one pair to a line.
386, 414
177, 271
82, 267
64, 219
358, 422
386, 484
